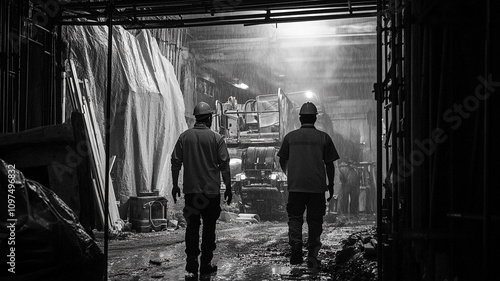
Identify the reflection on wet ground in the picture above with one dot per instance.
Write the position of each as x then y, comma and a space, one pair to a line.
278, 272
231, 272
265, 272
244, 253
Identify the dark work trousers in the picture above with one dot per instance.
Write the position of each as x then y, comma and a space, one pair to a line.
297, 204
206, 207
349, 190
349, 201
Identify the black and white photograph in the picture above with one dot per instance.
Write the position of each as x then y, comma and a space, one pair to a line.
249, 140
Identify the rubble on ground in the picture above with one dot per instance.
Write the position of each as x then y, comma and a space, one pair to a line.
357, 261
249, 251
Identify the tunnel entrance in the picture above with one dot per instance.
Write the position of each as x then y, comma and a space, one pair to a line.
324, 56
384, 74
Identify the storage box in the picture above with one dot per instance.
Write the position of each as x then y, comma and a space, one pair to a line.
148, 213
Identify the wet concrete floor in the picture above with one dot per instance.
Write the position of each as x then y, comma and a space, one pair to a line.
244, 252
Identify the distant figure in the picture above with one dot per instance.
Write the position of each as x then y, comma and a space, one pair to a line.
205, 157
349, 189
304, 154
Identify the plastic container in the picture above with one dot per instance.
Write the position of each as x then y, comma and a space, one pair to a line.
148, 213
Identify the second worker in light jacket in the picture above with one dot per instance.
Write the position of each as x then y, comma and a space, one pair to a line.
307, 156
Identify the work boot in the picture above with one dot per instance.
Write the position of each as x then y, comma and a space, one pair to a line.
296, 257
192, 266
313, 263
208, 269
189, 276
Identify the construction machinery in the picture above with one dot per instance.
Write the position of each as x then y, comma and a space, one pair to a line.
253, 132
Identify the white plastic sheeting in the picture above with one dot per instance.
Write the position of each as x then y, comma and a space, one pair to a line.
147, 107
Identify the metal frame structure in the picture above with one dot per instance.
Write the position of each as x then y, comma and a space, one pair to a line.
402, 203
172, 14
398, 192
393, 111
135, 15
410, 107
24, 89
153, 14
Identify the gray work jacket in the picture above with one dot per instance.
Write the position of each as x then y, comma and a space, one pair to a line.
204, 155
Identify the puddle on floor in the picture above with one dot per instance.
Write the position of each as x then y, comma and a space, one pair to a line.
268, 272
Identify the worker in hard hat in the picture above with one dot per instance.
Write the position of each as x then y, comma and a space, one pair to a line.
307, 155
205, 157
350, 180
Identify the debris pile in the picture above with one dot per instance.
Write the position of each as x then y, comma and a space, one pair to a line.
357, 261
46, 241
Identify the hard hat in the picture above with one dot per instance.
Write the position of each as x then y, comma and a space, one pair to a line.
202, 108
308, 108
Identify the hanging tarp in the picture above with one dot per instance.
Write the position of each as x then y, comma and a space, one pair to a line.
147, 107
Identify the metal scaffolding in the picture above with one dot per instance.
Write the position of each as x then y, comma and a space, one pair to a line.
28, 86
393, 113
139, 15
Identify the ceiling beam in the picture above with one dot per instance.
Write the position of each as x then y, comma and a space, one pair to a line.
247, 22
134, 14
239, 42
186, 7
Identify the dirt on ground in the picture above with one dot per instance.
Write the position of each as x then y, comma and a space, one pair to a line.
247, 251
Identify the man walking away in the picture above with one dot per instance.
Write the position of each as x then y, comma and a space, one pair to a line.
205, 157
307, 156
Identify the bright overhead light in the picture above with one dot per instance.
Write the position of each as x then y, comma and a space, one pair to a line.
309, 94
241, 85
238, 84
